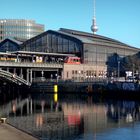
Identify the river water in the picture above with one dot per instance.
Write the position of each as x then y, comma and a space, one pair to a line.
72, 116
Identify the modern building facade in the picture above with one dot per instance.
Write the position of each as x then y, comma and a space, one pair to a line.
95, 51
20, 29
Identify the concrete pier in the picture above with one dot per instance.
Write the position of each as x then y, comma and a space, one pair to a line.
8, 132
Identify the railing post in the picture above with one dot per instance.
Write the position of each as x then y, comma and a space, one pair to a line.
27, 75
21, 73
31, 77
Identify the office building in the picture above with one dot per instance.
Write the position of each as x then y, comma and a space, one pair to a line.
19, 29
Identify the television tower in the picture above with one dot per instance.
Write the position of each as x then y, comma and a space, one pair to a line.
94, 27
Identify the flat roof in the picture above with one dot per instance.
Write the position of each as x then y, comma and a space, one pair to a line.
40, 53
6, 53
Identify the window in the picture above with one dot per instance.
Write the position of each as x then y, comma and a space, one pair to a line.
72, 71
67, 74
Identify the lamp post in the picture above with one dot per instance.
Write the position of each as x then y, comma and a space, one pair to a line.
42, 73
118, 70
56, 77
133, 70
79, 75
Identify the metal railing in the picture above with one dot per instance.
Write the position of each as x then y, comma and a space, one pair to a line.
14, 78
30, 65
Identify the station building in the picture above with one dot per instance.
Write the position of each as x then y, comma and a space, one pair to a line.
96, 52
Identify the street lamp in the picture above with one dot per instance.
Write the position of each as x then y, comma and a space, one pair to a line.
79, 75
133, 70
118, 69
56, 77
42, 73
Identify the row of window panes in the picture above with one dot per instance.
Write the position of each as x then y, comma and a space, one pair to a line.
19, 31
92, 75
20, 27
54, 43
104, 49
83, 72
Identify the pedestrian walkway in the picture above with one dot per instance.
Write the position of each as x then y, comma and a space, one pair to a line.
8, 132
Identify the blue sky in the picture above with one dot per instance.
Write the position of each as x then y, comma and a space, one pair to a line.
117, 19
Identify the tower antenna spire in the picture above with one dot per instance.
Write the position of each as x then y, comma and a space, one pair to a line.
94, 6
94, 27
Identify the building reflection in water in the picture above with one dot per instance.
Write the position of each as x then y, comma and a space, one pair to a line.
53, 116
128, 111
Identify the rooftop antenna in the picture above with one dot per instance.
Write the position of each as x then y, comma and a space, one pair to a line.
94, 27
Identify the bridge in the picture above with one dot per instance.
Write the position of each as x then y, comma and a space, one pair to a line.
14, 78
22, 67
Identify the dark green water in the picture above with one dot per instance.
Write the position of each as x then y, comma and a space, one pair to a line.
72, 117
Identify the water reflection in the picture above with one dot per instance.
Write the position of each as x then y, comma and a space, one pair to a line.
72, 117
126, 110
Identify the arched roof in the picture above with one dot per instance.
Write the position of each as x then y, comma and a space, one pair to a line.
84, 37
91, 38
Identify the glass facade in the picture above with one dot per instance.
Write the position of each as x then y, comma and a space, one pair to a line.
96, 52
99, 54
9, 45
19, 29
52, 42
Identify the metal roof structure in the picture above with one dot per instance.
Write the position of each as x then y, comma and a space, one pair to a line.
84, 37
89, 37
12, 40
